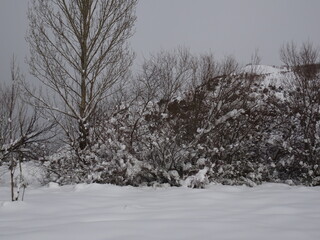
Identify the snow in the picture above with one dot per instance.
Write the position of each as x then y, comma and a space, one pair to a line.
101, 212
273, 75
199, 179
263, 69
33, 174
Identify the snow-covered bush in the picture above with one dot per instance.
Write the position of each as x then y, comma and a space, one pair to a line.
234, 128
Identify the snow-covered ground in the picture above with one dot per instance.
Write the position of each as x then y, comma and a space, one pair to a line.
100, 212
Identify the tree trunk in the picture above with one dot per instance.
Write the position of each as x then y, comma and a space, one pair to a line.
12, 179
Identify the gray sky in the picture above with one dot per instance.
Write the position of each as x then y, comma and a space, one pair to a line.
224, 27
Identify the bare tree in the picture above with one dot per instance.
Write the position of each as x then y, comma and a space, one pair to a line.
304, 98
166, 74
78, 52
304, 61
19, 128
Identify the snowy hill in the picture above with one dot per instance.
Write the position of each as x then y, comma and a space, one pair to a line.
272, 74
263, 69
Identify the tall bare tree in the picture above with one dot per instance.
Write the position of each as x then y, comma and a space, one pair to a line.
79, 50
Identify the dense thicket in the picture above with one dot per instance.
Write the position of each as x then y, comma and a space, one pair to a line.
191, 120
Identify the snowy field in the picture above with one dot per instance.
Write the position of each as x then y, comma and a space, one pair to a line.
100, 212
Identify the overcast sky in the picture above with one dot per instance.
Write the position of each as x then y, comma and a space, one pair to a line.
224, 27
